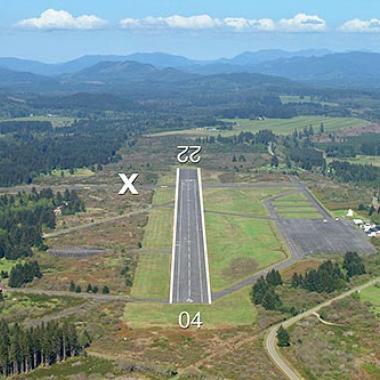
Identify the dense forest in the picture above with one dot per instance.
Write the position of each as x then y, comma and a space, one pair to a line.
26, 154
24, 349
22, 217
360, 174
366, 143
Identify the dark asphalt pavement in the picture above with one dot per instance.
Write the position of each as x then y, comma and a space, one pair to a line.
189, 283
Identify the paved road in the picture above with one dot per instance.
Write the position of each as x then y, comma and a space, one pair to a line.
271, 338
189, 278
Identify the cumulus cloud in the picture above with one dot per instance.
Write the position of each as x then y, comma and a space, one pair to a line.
303, 23
299, 23
52, 19
361, 26
172, 22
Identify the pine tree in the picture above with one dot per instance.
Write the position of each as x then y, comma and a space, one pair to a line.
72, 286
274, 278
283, 338
258, 291
271, 300
353, 264
89, 288
4, 347
105, 289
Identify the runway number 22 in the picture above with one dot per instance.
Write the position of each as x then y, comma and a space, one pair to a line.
185, 321
189, 153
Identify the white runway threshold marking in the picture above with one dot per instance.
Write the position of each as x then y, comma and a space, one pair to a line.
190, 278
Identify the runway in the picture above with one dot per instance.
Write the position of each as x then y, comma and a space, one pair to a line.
190, 280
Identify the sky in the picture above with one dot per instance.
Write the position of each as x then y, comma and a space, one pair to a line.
59, 30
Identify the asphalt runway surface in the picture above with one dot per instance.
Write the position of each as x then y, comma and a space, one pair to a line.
190, 278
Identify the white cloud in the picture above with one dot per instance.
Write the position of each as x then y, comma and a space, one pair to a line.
172, 22
302, 23
361, 26
241, 24
52, 19
299, 23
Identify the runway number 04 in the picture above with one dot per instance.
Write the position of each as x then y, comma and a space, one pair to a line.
189, 153
185, 321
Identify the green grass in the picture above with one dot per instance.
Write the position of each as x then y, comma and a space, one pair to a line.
7, 265
278, 126
359, 159
57, 121
164, 195
81, 172
238, 247
152, 275
158, 232
296, 206
89, 365
18, 306
234, 309
239, 200
372, 295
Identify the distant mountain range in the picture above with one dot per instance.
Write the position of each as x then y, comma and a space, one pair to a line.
349, 69
155, 59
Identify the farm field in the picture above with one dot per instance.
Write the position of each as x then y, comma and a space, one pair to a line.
285, 99
57, 121
278, 126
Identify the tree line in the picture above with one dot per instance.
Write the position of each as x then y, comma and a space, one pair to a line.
22, 217
21, 274
25, 349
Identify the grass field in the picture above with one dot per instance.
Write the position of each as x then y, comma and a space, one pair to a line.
153, 269
239, 200
305, 99
235, 309
278, 126
372, 295
360, 160
57, 121
7, 265
238, 247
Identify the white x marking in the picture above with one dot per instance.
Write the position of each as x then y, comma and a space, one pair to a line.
128, 183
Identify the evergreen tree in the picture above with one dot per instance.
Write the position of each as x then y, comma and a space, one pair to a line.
105, 289
353, 264
271, 300
258, 291
274, 278
283, 338
72, 286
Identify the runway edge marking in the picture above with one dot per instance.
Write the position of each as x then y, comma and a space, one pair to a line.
174, 237
204, 234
